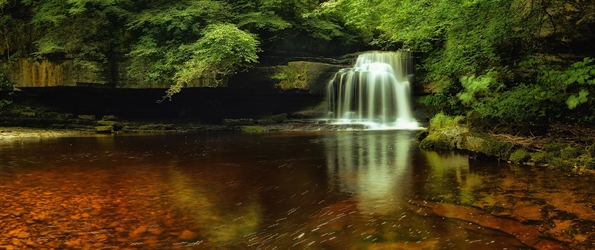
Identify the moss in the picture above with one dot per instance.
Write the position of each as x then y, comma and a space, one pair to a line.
422, 135
557, 162
437, 140
253, 129
265, 121
519, 156
589, 163
489, 145
87, 117
109, 118
554, 147
542, 157
104, 129
591, 150
569, 153
116, 125
157, 127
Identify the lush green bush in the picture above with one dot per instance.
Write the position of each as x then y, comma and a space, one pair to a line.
441, 120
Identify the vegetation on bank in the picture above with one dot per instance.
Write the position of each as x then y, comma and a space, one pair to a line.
556, 149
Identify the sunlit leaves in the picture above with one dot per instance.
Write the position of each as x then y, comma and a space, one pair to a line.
575, 100
221, 51
477, 85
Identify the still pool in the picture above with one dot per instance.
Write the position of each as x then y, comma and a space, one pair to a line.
315, 190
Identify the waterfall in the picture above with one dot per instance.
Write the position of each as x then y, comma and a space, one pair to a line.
375, 92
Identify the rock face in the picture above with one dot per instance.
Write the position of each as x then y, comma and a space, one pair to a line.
310, 76
295, 75
44, 73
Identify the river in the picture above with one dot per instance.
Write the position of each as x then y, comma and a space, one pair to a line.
314, 190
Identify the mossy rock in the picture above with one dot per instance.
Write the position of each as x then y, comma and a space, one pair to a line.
589, 163
519, 156
569, 153
265, 121
279, 118
483, 143
560, 163
109, 118
437, 141
542, 157
116, 125
157, 127
554, 147
253, 129
87, 117
104, 129
422, 135
591, 150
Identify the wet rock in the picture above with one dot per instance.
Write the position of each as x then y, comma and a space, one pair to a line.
188, 235
156, 230
138, 231
527, 212
527, 234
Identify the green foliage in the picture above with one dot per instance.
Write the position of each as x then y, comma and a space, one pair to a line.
254, 16
221, 51
578, 77
481, 85
441, 120
530, 99
575, 100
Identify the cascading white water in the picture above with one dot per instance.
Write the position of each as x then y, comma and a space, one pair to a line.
375, 92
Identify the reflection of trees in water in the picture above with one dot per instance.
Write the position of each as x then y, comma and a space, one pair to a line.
372, 166
450, 176
207, 206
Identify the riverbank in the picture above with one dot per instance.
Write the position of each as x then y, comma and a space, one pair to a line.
23, 133
567, 147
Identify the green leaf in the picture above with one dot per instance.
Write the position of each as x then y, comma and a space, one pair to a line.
575, 100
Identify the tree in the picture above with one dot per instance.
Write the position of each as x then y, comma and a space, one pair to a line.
221, 51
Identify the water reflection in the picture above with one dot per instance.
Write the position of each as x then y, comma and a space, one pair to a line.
375, 167
348, 190
197, 203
